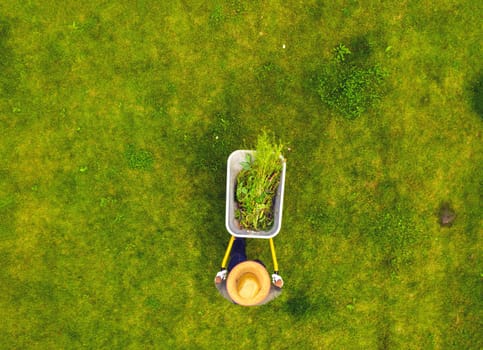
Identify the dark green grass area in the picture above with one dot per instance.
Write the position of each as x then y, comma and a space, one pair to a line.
116, 120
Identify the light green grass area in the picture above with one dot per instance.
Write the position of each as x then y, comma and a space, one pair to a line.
116, 120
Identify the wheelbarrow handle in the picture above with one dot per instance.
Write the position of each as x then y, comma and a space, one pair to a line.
274, 256
227, 253
230, 245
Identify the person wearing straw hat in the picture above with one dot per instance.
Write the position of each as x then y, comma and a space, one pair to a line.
247, 282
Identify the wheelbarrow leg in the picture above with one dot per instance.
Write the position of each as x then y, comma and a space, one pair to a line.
274, 256
227, 253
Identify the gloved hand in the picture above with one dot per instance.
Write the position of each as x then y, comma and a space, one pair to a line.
220, 276
277, 280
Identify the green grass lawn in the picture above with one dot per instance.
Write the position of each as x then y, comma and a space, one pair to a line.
116, 120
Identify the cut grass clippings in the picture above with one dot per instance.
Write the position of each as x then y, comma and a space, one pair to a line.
257, 184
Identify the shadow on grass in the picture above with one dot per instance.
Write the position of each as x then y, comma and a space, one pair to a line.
8, 75
210, 151
301, 306
361, 48
471, 212
8, 206
476, 90
384, 341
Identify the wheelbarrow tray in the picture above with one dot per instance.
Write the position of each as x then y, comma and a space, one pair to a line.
231, 223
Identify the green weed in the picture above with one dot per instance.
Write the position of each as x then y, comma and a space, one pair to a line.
340, 53
217, 17
139, 159
257, 184
350, 88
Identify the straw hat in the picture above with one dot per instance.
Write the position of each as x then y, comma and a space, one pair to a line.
248, 283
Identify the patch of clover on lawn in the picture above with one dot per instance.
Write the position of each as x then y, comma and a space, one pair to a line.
350, 87
139, 159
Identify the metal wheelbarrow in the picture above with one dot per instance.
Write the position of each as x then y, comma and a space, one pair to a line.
232, 225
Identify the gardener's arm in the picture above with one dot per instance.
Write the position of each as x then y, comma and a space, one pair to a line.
220, 283
275, 289
274, 293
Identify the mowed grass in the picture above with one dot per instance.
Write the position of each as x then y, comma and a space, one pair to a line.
116, 120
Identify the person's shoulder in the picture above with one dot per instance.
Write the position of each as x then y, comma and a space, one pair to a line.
222, 289
272, 294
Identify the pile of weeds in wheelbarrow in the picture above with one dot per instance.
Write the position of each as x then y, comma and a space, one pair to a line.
257, 185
